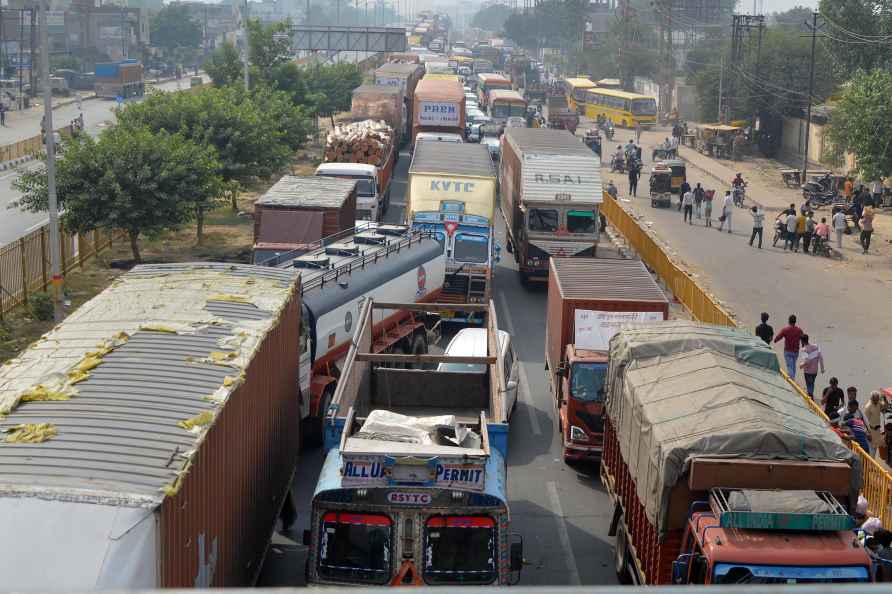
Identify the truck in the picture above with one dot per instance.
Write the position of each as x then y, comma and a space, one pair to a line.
439, 107
719, 471
405, 77
452, 194
381, 102
120, 437
120, 79
366, 152
550, 190
560, 115
339, 273
299, 210
588, 300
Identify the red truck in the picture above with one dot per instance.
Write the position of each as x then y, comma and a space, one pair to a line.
588, 300
439, 107
560, 115
719, 471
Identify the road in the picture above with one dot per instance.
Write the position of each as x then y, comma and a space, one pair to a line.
98, 114
562, 512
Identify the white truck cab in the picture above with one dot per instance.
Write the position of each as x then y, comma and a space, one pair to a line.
369, 200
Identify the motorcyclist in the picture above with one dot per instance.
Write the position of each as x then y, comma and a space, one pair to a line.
738, 182
618, 162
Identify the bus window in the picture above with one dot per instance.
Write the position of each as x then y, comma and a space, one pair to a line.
355, 547
460, 550
581, 221
543, 219
644, 107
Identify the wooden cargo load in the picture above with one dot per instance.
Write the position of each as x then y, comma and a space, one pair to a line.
368, 142
380, 102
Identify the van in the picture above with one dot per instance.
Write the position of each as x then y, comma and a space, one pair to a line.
471, 342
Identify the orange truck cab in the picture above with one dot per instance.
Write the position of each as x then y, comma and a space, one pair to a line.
588, 300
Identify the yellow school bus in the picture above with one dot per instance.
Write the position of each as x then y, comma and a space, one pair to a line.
622, 108
575, 90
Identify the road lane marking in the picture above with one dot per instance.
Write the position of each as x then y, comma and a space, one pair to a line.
524, 387
563, 535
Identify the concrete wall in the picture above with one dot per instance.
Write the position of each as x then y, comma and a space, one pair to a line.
793, 144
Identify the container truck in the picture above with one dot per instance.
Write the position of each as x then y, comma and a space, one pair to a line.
487, 82
405, 77
372, 261
298, 211
120, 79
439, 107
560, 116
452, 193
550, 189
588, 300
719, 471
151, 437
381, 102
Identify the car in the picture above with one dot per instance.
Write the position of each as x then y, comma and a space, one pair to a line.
494, 146
475, 116
516, 122
472, 342
473, 133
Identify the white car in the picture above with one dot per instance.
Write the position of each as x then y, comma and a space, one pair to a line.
473, 133
475, 116
471, 342
494, 146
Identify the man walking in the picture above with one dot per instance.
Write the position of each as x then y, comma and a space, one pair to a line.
791, 334
758, 221
637, 132
634, 174
2, 114
839, 225
685, 188
866, 228
790, 239
832, 398
707, 207
873, 416
809, 231
727, 210
764, 331
811, 364
687, 202
699, 194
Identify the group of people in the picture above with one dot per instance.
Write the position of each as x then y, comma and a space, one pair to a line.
698, 201
630, 155
800, 229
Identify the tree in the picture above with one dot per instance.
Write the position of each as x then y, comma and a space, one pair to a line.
173, 27
129, 178
861, 123
858, 33
224, 66
334, 85
491, 18
270, 45
792, 20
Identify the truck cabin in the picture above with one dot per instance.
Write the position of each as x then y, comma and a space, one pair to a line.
746, 547
368, 192
583, 378
569, 220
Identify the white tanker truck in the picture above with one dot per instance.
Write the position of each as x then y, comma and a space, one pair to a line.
386, 263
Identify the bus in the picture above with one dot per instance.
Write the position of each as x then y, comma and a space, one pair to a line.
575, 89
486, 82
622, 108
504, 104
610, 83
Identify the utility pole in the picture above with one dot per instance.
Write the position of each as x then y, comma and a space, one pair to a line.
245, 55
811, 90
55, 242
721, 84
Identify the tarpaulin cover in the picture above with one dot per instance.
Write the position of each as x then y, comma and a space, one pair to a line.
682, 390
791, 502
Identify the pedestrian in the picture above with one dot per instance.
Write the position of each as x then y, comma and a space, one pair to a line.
866, 228
809, 231
764, 330
685, 187
839, 225
707, 206
832, 398
790, 239
855, 426
758, 221
699, 193
873, 417
611, 189
688, 202
848, 189
851, 396
634, 175
812, 362
727, 210
857, 206
792, 337
2, 114
800, 230
637, 132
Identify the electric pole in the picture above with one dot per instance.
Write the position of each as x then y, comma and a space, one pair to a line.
811, 90
721, 119
246, 54
55, 240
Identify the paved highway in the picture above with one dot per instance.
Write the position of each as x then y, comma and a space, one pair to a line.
98, 114
562, 512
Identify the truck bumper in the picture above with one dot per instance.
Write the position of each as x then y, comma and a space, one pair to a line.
533, 274
579, 452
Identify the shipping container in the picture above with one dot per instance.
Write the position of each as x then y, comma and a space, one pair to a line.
439, 107
152, 436
380, 102
300, 210
404, 76
403, 57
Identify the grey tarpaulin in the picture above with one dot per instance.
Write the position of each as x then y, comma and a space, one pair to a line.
682, 390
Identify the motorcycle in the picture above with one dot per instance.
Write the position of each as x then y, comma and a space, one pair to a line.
617, 164
738, 194
821, 247
607, 128
817, 195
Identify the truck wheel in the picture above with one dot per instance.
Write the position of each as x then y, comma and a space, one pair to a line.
314, 426
621, 556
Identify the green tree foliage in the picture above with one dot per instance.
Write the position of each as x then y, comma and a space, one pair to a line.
129, 178
224, 66
861, 123
792, 20
332, 87
858, 34
173, 27
492, 17
270, 44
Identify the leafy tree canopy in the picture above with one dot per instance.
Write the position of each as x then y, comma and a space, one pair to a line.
861, 123
173, 27
224, 66
332, 86
492, 17
858, 34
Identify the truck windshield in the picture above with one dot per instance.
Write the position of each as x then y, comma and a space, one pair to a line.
543, 219
470, 248
587, 381
355, 547
500, 110
460, 550
644, 107
365, 186
581, 221
729, 573
518, 110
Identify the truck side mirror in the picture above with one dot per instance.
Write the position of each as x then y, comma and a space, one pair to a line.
511, 385
516, 563
307, 538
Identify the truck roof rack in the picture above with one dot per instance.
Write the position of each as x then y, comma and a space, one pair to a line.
766, 509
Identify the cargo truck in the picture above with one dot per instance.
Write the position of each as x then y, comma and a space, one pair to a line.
588, 300
381, 102
298, 211
560, 116
123, 79
151, 438
405, 77
719, 471
452, 194
439, 107
372, 261
550, 189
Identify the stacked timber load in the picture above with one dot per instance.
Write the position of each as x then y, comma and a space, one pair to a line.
366, 142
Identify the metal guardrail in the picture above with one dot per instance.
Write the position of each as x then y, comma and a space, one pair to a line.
877, 486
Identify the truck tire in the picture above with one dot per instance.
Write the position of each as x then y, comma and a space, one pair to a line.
621, 556
313, 427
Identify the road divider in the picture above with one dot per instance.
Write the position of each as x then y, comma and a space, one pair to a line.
877, 487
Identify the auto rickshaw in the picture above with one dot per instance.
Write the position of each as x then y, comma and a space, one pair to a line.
717, 140
679, 173
660, 185
592, 140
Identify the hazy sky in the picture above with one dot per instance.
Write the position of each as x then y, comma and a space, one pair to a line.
770, 6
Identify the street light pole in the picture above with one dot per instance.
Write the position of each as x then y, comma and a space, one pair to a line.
811, 90
245, 55
55, 240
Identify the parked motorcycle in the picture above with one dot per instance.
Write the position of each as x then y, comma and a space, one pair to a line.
817, 195
617, 164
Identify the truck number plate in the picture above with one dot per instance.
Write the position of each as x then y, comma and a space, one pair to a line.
402, 498
563, 197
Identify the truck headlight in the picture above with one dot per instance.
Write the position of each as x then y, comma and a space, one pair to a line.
577, 434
